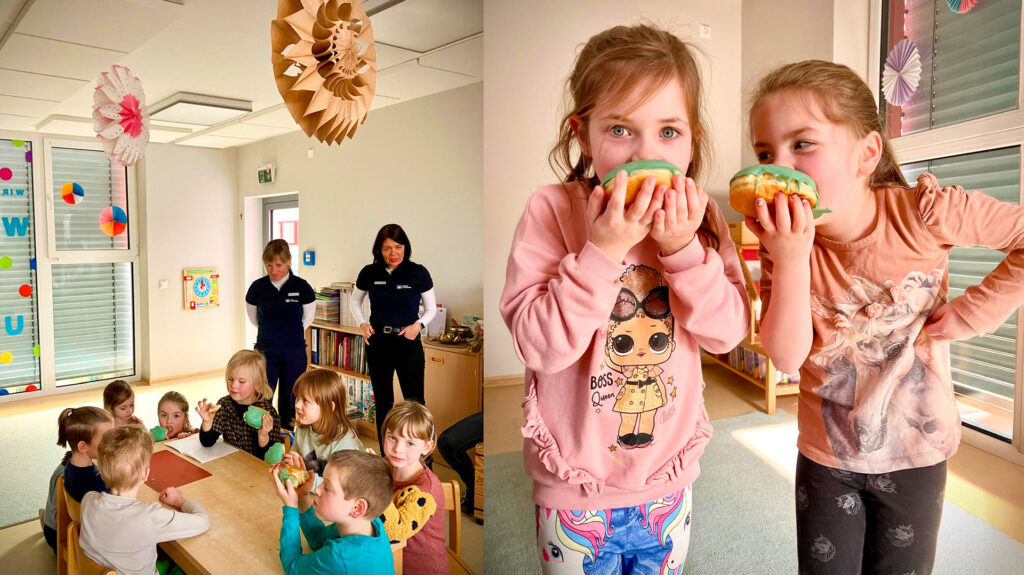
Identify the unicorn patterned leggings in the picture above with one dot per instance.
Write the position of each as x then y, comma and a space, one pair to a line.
859, 523
649, 538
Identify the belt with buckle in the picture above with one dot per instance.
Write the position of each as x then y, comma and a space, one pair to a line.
390, 329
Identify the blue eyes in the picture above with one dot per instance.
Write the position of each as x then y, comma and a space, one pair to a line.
618, 131
669, 133
621, 131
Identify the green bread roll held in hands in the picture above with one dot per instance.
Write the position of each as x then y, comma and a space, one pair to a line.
766, 181
298, 475
661, 171
274, 454
254, 416
159, 433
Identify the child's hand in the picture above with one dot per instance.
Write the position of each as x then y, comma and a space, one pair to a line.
203, 409
946, 325
172, 497
677, 222
615, 229
285, 491
788, 233
265, 428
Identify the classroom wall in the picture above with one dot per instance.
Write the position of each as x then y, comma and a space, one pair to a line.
525, 66
418, 164
188, 197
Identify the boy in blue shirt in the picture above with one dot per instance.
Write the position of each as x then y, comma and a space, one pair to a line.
356, 488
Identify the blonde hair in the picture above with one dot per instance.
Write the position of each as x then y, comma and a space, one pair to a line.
325, 387
123, 453
277, 250
116, 393
844, 99
76, 424
179, 399
364, 476
257, 365
413, 419
609, 68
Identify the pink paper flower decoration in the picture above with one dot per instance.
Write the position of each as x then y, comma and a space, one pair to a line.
961, 6
119, 115
901, 73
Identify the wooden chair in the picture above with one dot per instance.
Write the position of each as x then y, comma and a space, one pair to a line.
478, 479
63, 521
84, 565
453, 511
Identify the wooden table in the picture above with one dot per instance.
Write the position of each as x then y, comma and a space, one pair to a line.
245, 519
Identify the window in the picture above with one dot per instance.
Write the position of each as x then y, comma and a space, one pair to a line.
68, 307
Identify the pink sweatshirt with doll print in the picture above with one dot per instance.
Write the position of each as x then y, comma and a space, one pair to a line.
876, 394
614, 407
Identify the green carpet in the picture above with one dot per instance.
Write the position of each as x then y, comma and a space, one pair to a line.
743, 516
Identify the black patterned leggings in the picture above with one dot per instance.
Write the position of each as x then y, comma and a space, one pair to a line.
859, 523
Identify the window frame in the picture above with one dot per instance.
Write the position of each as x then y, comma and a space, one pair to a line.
1001, 130
47, 256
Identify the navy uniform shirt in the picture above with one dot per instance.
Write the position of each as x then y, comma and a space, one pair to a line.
395, 296
279, 312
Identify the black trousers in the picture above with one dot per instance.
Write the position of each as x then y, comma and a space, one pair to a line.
387, 354
284, 366
860, 523
455, 441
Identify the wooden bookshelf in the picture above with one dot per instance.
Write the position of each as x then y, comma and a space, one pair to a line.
745, 240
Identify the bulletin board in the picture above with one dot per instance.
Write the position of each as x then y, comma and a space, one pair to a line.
200, 287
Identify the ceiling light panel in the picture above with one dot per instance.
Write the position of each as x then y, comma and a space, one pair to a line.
198, 109
207, 141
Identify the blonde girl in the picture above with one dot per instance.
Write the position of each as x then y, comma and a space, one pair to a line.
321, 427
246, 380
615, 419
119, 400
857, 301
172, 412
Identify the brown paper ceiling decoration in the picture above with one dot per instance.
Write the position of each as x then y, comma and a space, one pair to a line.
325, 64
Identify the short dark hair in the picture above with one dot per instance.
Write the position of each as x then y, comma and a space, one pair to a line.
364, 476
395, 233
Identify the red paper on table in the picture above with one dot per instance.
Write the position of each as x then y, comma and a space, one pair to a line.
166, 469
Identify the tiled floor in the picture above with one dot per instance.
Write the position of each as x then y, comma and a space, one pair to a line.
22, 548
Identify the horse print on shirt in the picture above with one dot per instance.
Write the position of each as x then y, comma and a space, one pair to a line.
639, 340
886, 397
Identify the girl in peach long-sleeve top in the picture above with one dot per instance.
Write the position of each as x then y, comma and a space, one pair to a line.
609, 305
857, 301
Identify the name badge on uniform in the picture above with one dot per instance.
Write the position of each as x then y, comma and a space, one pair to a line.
293, 294
402, 286
381, 283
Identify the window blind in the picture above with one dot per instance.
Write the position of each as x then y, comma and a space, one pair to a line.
983, 367
76, 226
19, 366
970, 63
93, 322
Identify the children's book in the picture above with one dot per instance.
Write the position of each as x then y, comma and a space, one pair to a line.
191, 447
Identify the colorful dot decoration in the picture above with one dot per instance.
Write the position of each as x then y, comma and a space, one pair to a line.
6, 357
25, 290
6, 174
113, 221
18, 143
35, 350
28, 156
72, 193
31, 388
4, 392
5, 263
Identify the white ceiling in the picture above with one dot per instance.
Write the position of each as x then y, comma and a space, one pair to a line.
49, 59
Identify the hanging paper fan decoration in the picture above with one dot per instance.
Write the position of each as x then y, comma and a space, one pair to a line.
961, 6
902, 73
113, 221
325, 65
119, 115
72, 193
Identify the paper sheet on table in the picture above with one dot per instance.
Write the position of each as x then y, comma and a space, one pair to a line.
191, 447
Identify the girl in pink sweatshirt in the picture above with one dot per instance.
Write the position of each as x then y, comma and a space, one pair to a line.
609, 305
857, 301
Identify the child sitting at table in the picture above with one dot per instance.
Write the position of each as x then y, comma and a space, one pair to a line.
356, 488
79, 429
172, 412
119, 531
119, 400
246, 380
321, 427
408, 432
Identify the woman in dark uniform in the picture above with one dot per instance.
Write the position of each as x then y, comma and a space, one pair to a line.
396, 285
282, 306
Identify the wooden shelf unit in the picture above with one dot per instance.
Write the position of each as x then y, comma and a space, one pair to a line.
745, 240
452, 380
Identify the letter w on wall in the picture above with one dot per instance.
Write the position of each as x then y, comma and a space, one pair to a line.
16, 226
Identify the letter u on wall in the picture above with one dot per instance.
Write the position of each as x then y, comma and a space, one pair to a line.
10, 330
